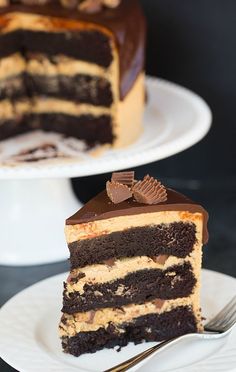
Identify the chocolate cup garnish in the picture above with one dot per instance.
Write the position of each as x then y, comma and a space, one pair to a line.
35, 2
63, 319
70, 4
95, 6
126, 178
86, 6
110, 262
121, 309
4, 3
71, 279
111, 3
90, 6
161, 259
158, 303
74, 277
149, 191
91, 317
117, 192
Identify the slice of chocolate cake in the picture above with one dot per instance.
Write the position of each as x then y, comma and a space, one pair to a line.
74, 68
135, 253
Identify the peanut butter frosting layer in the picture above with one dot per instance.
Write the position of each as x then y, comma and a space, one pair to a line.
93, 229
177, 281
91, 219
9, 110
92, 321
38, 105
40, 64
41, 105
62, 65
118, 269
12, 66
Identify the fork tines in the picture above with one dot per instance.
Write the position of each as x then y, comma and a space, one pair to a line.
225, 319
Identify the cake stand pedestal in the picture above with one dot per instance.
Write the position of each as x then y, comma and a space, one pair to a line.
33, 215
37, 197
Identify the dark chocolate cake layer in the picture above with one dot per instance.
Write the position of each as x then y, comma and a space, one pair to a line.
137, 287
78, 88
152, 327
13, 88
87, 127
176, 239
10, 127
70, 44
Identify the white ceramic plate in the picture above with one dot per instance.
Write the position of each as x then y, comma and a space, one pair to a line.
174, 120
29, 339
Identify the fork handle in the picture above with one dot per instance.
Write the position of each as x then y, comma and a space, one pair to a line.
125, 366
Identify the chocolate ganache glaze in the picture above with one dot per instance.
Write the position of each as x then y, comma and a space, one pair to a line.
100, 208
126, 22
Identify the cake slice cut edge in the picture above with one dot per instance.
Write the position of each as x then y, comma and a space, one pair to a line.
135, 272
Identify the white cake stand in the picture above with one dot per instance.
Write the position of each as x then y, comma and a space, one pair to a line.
36, 197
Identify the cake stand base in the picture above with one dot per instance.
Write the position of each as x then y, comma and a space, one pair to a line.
33, 215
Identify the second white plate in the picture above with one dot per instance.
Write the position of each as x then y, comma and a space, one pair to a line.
29, 334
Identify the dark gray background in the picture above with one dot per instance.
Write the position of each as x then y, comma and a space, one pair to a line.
192, 43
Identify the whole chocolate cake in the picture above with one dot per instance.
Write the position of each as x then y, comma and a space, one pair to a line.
75, 67
135, 254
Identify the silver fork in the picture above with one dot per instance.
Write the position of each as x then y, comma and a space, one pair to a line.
218, 327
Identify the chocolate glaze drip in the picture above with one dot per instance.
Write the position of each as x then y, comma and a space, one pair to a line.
126, 23
100, 208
